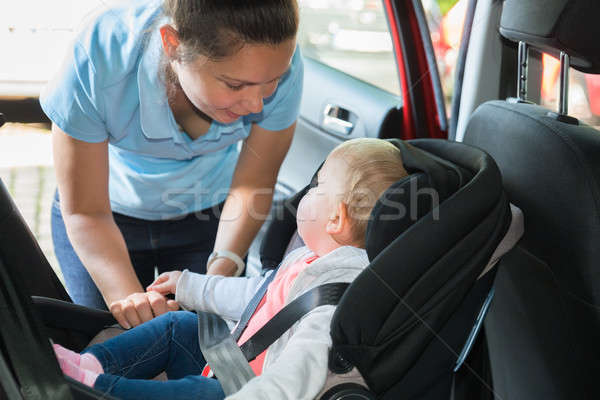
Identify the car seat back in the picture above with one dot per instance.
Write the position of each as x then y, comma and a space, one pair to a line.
25, 352
404, 321
21, 252
543, 326
419, 283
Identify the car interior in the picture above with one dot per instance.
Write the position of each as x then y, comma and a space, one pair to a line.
541, 329
504, 303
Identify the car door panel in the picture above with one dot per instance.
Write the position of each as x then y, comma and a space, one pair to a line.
370, 109
325, 86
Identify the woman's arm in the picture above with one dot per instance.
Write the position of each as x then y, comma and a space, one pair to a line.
251, 193
82, 175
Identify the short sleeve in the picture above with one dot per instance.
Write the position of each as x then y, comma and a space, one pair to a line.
284, 107
72, 99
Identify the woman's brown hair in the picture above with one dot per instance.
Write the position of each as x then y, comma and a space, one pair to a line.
219, 28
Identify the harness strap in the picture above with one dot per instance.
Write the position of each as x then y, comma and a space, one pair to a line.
228, 361
328, 294
253, 305
222, 353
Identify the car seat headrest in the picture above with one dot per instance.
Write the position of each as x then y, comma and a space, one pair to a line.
554, 26
431, 180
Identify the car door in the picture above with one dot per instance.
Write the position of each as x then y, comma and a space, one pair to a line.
366, 74
369, 71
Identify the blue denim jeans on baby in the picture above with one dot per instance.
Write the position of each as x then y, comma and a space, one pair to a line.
167, 343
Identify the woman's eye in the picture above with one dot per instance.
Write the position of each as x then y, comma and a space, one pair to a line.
234, 87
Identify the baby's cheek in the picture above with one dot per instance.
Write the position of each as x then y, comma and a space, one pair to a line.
302, 210
305, 215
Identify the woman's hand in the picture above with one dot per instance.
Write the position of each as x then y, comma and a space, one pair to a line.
165, 283
138, 308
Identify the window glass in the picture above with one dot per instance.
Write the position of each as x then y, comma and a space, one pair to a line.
445, 19
584, 91
351, 36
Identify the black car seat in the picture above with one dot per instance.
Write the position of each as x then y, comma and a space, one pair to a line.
405, 320
543, 327
28, 367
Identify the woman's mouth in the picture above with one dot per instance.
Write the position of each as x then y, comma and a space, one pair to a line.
232, 114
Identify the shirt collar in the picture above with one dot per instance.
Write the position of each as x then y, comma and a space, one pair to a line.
156, 118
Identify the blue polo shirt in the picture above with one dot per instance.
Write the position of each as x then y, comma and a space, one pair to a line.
110, 88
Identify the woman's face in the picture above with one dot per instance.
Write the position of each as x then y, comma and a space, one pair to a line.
235, 86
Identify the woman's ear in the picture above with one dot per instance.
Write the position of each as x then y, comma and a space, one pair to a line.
170, 40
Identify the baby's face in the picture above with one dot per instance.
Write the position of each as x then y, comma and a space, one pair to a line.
320, 204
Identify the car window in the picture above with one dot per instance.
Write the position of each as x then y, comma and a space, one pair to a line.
445, 19
351, 36
584, 91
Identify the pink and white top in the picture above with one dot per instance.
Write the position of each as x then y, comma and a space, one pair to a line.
271, 304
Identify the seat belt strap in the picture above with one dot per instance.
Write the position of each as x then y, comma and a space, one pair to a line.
219, 345
228, 361
328, 294
222, 353
253, 305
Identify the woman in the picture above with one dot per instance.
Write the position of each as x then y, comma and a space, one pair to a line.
166, 114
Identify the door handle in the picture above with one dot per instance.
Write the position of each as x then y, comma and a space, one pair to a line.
338, 120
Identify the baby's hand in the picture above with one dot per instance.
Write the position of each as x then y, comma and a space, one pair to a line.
166, 283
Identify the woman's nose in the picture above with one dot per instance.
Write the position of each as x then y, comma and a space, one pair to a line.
254, 99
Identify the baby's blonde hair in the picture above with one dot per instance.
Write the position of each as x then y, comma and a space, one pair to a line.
373, 165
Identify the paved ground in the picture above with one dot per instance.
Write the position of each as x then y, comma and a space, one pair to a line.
26, 170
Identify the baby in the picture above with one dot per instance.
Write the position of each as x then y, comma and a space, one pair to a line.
332, 220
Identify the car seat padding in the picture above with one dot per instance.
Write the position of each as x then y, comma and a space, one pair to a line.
423, 275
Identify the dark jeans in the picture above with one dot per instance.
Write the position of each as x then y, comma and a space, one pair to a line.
165, 244
167, 343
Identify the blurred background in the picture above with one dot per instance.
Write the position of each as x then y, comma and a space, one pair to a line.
349, 35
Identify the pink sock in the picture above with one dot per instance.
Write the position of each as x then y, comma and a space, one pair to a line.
91, 363
64, 353
79, 374
86, 361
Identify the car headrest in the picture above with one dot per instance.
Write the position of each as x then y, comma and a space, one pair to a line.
553, 26
431, 180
